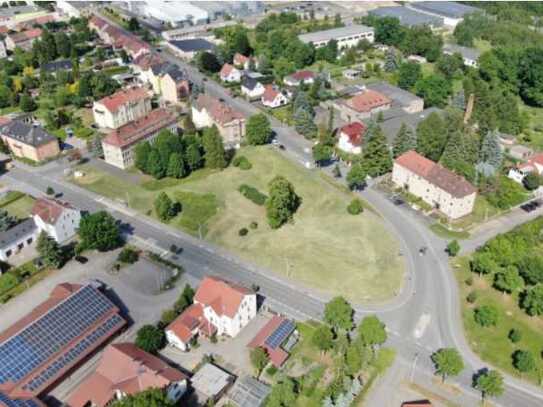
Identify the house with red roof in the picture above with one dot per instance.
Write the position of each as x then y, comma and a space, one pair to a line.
120, 144
58, 219
436, 185
23, 39
241, 61
350, 137
208, 111
533, 164
122, 107
297, 78
220, 308
273, 97
229, 73
271, 338
362, 105
124, 370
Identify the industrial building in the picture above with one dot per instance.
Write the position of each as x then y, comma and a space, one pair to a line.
408, 17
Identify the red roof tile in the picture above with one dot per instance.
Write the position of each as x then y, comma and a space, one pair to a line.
226, 70
354, 132
240, 59
49, 210
138, 130
303, 75
415, 163
270, 94
224, 297
98, 22
219, 111
188, 322
276, 355
367, 101
124, 367
115, 101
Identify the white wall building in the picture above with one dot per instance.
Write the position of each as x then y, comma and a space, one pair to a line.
273, 98
252, 88
350, 137
60, 220
16, 238
122, 107
533, 164
230, 73
346, 37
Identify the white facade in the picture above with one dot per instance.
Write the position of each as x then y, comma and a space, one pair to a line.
201, 118
279, 100
344, 144
3, 53
64, 228
125, 113
68, 9
232, 326
254, 93
346, 37
26, 236
233, 76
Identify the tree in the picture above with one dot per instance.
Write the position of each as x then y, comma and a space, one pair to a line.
372, 332
27, 104
404, 141
524, 361
188, 125
165, 208
258, 130
259, 359
431, 137
355, 207
143, 151
434, 89
508, 280
99, 231
486, 315
531, 181
339, 314
96, 146
450, 65
152, 398
323, 338
154, 165
356, 177
490, 383
532, 300
304, 123
409, 74
531, 269
50, 191
447, 362
150, 339
214, 153
133, 24
6, 220
391, 60
193, 156
208, 62
283, 394
491, 152
322, 153
376, 157
515, 335
453, 248
388, 31
176, 166
49, 250
531, 78
282, 202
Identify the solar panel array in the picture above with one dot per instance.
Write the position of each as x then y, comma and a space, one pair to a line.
35, 344
9, 402
277, 337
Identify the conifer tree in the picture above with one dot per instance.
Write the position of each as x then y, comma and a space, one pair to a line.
405, 140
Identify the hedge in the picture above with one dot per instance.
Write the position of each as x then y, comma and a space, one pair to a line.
253, 194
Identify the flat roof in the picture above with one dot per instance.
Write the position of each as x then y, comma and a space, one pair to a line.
391, 125
398, 95
334, 33
468, 53
249, 392
407, 16
193, 44
444, 8
210, 380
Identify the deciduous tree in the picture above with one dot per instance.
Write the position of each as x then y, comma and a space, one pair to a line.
282, 202
259, 359
447, 362
486, 315
99, 231
490, 383
150, 339
339, 314
372, 332
408, 74
49, 250
532, 300
258, 129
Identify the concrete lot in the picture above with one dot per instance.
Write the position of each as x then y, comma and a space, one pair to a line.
145, 276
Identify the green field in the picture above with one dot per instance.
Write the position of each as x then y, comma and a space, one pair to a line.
20, 207
492, 343
324, 247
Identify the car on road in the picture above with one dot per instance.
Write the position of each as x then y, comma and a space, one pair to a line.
531, 206
81, 259
282, 147
422, 250
396, 200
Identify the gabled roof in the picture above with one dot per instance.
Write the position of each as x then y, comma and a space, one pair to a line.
444, 8
354, 132
226, 70
334, 33
219, 111
240, 59
146, 61
122, 97
25, 35
302, 75
193, 45
466, 52
270, 94
367, 100
50, 210
249, 83
189, 322
124, 367
34, 136
15, 233
224, 297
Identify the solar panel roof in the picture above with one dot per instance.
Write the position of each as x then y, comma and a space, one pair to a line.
9, 402
277, 337
55, 341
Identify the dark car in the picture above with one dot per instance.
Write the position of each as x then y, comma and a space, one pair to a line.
81, 259
529, 207
397, 201
282, 147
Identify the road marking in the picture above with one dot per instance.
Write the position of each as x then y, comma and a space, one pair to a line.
421, 326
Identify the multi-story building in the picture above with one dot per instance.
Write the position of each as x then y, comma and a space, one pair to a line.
439, 187
220, 308
122, 107
124, 370
120, 143
208, 111
23, 40
29, 141
60, 220
350, 137
363, 105
346, 37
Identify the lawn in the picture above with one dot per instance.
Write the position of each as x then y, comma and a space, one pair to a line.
324, 247
20, 207
535, 126
482, 212
283, 114
492, 344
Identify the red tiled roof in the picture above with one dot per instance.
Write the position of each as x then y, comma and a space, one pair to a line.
436, 174
4, 120
224, 297
219, 111
188, 322
367, 101
26, 35
277, 355
98, 22
146, 61
270, 94
536, 159
303, 75
49, 210
240, 59
354, 132
137, 130
124, 367
226, 70
115, 101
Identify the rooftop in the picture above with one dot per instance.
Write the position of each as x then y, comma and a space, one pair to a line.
29, 134
191, 320
270, 93
407, 16
193, 45
60, 332
50, 210
436, 174
6, 401
249, 83
272, 336
249, 392
127, 368
227, 70
367, 100
394, 118
64, 64
394, 93
122, 97
355, 131
25, 35
467, 53
221, 295
302, 75
219, 111
15, 233
137, 130
444, 8
210, 380
334, 33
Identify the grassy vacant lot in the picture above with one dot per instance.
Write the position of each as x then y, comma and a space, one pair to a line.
324, 247
492, 344
19, 207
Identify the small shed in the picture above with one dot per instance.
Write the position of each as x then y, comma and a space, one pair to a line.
210, 382
351, 73
249, 392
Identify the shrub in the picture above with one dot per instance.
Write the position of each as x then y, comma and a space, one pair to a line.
355, 207
253, 194
486, 315
469, 281
242, 163
128, 255
253, 225
453, 248
515, 335
472, 297
243, 231
271, 370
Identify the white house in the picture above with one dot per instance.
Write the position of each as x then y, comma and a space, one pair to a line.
122, 107
273, 98
230, 73
60, 220
252, 88
297, 78
220, 308
346, 37
350, 137
470, 56
17, 237
241, 61
533, 164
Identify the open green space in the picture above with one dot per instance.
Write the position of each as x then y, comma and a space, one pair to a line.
324, 247
18, 205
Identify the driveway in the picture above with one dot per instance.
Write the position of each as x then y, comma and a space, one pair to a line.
145, 276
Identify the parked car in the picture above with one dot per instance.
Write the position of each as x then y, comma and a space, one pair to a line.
81, 259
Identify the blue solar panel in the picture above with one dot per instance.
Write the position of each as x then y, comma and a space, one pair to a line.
282, 332
39, 341
9, 402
